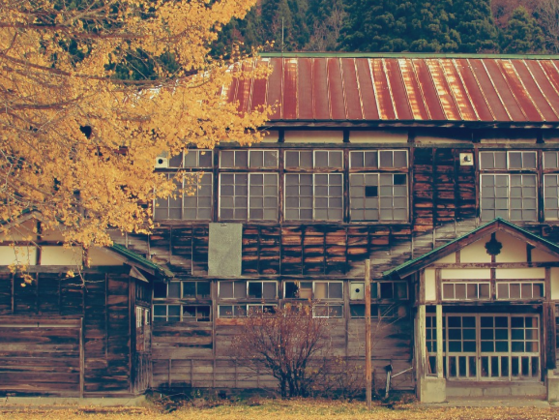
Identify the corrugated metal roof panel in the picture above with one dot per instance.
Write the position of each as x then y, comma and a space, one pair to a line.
353, 101
405, 87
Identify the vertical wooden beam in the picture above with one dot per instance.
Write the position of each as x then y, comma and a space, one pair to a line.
421, 344
192, 373
169, 367
439, 315
132, 330
368, 344
82, 359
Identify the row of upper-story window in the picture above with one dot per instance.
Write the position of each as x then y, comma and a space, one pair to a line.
309, 185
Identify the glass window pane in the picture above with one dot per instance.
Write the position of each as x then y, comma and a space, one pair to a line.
269, 290
335, 291
225, 290
174, 290
239, 289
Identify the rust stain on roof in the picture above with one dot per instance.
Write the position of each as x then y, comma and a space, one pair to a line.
438, 89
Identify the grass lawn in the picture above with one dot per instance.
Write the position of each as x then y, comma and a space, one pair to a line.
284, 410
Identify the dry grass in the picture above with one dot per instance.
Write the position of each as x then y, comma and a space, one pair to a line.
273, 409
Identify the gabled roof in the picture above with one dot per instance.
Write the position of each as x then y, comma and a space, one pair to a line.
414, 265
141, 260
406, 89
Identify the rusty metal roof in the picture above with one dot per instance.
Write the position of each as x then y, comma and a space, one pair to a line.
412, 88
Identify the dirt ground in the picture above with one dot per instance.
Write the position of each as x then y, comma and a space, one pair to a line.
275, 409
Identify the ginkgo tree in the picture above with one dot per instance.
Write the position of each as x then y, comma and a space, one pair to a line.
80, 123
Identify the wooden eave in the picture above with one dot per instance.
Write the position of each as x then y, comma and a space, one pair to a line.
414, 265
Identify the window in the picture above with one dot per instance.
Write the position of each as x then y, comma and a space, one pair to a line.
328, 311
512, 196
508, 160
379, 311
317, 159
196, 313
244, 159
551, 196
322, 290
252, 196
262, 289
166, 313
198, 159
314, 196
551, 185
232, 290
171, 290
390, 290
189, 201
239, 311
520, 290
466, 291
178, 313
196, 290
374, 159
378, 196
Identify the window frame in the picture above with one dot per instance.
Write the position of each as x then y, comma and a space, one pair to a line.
313, 288
518, 187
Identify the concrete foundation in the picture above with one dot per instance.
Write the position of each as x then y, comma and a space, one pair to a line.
552, 383
431, 390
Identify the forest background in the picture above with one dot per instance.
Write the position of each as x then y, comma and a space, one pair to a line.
442, 26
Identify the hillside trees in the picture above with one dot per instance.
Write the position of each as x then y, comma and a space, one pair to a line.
522, 34
93, 91
547, 12
475, 26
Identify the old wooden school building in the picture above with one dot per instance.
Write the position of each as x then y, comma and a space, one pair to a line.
442, 170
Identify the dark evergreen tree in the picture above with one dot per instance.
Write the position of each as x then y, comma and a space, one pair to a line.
325, 19
522, 34
246, 33
475, 26
284, 23
377, 25
392, 25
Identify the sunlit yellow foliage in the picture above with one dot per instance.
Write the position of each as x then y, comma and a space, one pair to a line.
56, 58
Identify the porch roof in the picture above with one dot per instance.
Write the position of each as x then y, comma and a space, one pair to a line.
498, 224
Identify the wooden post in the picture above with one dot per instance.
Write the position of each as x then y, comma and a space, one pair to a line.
439, 318
82, 358
368, 346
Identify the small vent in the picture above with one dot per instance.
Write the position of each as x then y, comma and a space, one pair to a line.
357, 291
161, 162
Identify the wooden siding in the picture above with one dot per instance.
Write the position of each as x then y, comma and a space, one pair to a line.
72, 331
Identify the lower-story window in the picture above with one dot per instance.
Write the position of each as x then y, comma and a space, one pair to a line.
379, 312
241, 310
328, 311
178, 313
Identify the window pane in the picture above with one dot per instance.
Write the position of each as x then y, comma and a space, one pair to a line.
269, 290
174, 290
335, 291
159, 290
255, 290
203, 289
320, 290
189, 289
225, 290
239, 289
